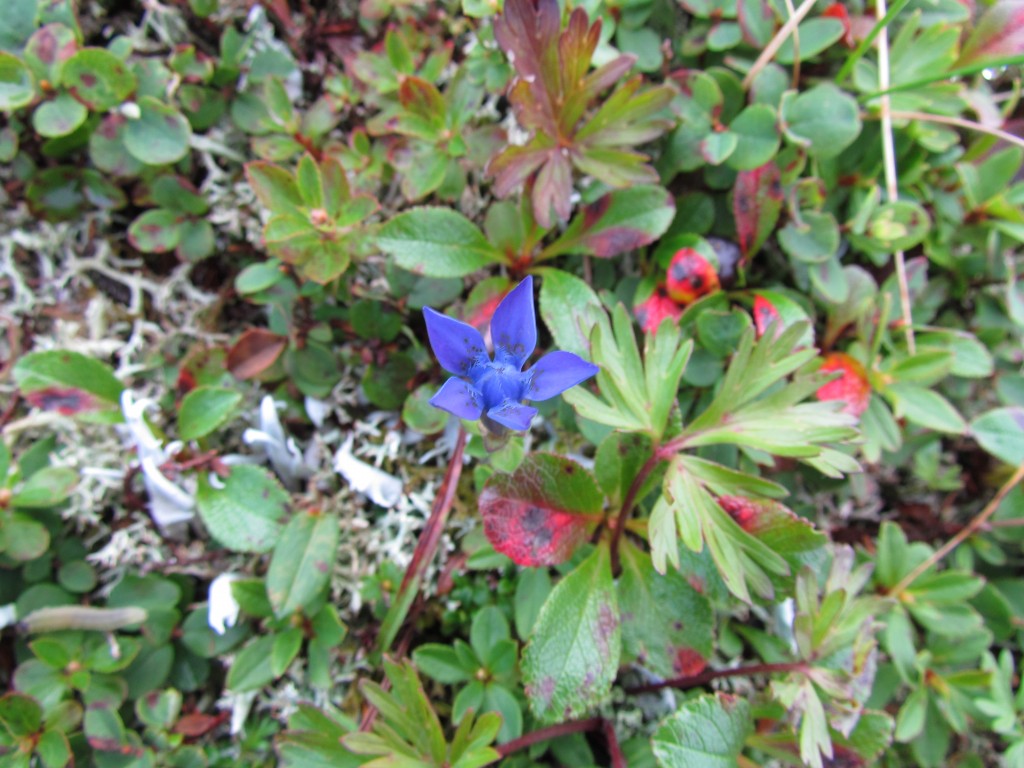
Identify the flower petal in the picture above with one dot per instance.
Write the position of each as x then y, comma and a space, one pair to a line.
556, 372
513, 415
514, 325
457, 346
460, 398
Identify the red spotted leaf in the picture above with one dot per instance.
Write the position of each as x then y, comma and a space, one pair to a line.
773, 523
539, 514
765, 314
64, 400
690, 276
667, 624
756, 204
654, 309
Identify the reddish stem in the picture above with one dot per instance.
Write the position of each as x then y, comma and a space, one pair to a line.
551, 732
430, 538
696, 681
614, 750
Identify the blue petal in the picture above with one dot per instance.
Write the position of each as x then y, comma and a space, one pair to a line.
460, 398
513, 415
514, 325
457, 346
556, 372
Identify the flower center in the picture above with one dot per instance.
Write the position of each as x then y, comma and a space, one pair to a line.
498, 382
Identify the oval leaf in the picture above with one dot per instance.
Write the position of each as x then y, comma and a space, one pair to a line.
301, 565
573, 654
204, 409
437, 242
247, 514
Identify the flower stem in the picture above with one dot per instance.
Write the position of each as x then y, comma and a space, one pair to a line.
426, 548
696, 681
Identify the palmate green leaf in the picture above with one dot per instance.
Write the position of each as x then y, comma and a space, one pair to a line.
573, 654
705, 732
687, 511
637, 394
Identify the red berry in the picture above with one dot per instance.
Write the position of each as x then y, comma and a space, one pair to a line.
690, 276
838, 11
852, 388
651, 312
765, 314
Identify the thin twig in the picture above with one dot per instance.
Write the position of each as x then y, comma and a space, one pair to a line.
959, 122
889, 158
697, 681
979, 520
551, 732
796, 46
628, 503
776, 42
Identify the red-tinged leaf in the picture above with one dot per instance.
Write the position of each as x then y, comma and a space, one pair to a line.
421, 97
656, 308
756, 205
528, 34
64, 400
514, 166
255, 351
851, 388
757, 21
553, 189
617, 222
539, 514
999, 33
196, 724
575, 48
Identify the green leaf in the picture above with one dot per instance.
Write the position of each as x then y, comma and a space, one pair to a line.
156, 231
437, 242
570, 309
1001, 433
539, 514
17, 86
573, 654
160, 136
303, 559
286, 648
204, 409
251, 669
620, 221
668, 626
59, 117
814, 240
441, 663
925, 408
46, 488
823, 119
815, 36
247, 514
758, 138
21, 715
58, 369
705, 732
16, 24
98, 79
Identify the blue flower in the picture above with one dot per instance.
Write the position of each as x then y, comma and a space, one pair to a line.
494, 388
